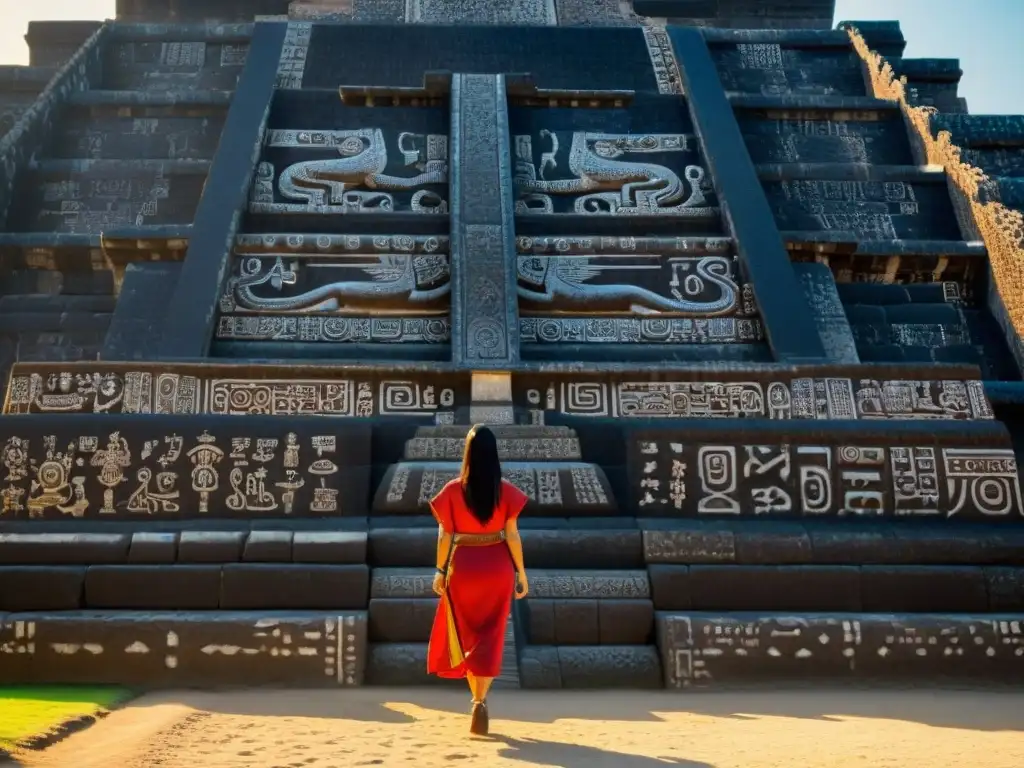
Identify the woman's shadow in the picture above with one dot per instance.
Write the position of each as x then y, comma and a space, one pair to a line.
563, 755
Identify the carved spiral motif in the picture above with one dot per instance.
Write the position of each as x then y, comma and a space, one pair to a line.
352, 145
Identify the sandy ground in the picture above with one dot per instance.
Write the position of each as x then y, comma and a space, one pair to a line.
428, 729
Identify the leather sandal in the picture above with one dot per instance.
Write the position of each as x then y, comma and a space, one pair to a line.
479, 723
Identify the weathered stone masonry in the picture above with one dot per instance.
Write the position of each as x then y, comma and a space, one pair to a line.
736, 291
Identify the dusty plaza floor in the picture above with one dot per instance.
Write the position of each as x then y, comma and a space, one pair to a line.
597, 729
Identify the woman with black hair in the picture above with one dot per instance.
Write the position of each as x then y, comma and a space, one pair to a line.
479, 565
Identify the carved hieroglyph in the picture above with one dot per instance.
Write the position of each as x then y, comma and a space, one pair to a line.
149, 392
313, 648
390, 283
354, 180
157, 473
797, 398
695, 286
607, 175
702, 650
676, 477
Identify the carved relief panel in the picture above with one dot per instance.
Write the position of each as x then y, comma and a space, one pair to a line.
679, 475
642, 289
354, 170
117, 466
232, 390
579, 161
779, 396
587, 270
338, 288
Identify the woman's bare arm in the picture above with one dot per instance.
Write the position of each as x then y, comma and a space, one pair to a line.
444, 544
515, 545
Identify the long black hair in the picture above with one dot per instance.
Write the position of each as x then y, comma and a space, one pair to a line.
481, 473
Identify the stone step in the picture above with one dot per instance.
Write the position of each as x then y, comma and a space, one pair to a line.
812, 103
119, 167
560, 488
167, 97
908, 174
827, 241
185, 63
584, 547
920, 210
814, 79
205, 586
181, 649
153, 133
19, 88
91, 199
708, 649
846, 588
177, 32
518, 449
501, 431
785, 137
46, 302
562, 584
55, 322
67, 543
583, 666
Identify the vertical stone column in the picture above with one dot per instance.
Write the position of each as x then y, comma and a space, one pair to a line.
192, 311
819, 287
788, 322
485, 317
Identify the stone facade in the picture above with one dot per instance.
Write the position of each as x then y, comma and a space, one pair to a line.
737, 291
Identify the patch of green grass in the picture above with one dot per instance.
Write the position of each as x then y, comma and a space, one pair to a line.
28, 711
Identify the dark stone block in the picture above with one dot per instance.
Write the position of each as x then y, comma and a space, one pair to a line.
701, 649
402, 664
539, 667
685, 541
234, 479
338, 547
772, 543
956, 545
670, 587
625, 622
1005, 589
539, 621
935, 647
63, 548
135, 328
210, 546
153, 547
33, 588
268, 547
609, 666
401, 620
913, 589
182, 649
576, 622
774, 588
403, 547
153, 587
247, 586
582, 548
852, 544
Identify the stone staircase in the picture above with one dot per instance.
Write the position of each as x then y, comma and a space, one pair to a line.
588, 620
847, 191
115, 180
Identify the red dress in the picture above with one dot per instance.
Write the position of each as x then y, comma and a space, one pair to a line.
468, 635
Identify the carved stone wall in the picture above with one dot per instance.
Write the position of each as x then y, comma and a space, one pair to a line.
750, 394
110, 467
232, 390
